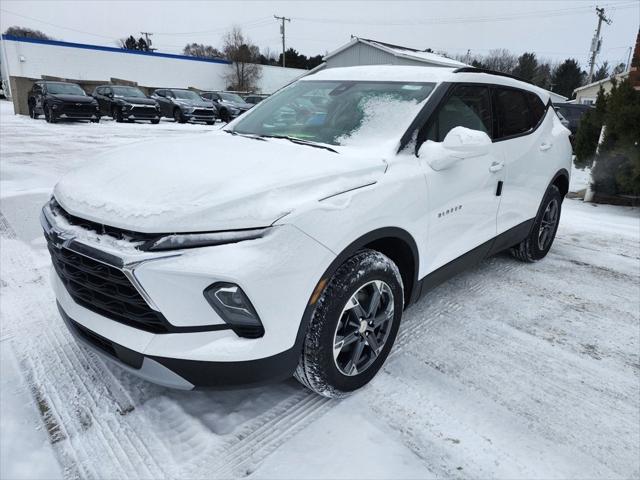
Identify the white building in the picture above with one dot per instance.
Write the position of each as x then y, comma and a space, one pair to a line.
25, 60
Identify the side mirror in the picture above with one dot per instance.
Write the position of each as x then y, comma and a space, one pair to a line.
459, 144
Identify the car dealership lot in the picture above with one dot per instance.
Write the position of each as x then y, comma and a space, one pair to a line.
508, 370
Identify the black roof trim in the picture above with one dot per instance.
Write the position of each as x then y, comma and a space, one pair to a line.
489, 72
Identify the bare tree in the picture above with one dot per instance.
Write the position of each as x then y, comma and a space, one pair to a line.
202, 51
25, 32
501, 60
245, 70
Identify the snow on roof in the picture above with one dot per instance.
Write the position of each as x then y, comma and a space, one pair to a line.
402, 73
403, 52
398, 73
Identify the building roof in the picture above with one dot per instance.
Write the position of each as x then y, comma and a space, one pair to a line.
619, 76
401, 52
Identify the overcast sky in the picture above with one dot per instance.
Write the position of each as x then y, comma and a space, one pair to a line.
554, 29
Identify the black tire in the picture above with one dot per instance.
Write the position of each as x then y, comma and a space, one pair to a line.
539, 241
32, 111
211, 122
155, 121
178, 116
225, 116
50, 115
317, 368
116, 114
95, 120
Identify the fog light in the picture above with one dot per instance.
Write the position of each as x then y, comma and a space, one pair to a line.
235, 308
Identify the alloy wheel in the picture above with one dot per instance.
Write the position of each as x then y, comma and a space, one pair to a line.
363, 328
548, 224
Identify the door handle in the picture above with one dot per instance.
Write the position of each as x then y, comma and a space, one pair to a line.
496, 167
545, 146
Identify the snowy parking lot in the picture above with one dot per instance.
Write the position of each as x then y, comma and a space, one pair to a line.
509, 370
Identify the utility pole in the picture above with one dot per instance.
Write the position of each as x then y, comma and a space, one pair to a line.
468, 59
597, 41
282, 32
148, 40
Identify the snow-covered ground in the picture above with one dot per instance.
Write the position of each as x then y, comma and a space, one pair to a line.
508, 370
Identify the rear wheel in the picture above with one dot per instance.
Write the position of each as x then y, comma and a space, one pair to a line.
353, 326
538, 243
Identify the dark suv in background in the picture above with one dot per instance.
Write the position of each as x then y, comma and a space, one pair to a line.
185, 106
61, 101
229, 105
126, 103
573, 112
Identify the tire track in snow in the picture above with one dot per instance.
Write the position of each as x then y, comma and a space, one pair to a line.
63, 376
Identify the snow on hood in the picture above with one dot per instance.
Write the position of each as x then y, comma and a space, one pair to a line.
208, 183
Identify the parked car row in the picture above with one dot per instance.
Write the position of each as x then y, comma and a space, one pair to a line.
68, 101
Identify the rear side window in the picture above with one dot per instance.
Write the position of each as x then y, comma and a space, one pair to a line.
537, 107
514, 115
468, 106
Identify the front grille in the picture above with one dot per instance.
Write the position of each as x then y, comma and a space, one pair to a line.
149, 111
79, 110
199, 112
104, 290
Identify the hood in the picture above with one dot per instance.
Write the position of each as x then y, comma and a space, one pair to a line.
209, 182
240, 105
194, 103
73, 98
137, 100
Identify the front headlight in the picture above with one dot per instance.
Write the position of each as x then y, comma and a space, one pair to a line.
126, 105
193, 240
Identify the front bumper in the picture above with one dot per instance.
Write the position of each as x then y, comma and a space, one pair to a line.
141, 113
186, 374
201, 115
199, 350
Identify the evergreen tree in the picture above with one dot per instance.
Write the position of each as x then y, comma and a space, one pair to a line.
566, 77
527, 67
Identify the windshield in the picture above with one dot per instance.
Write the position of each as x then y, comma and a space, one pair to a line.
231, 97
186, 95
64, 89
336, 112
127, 92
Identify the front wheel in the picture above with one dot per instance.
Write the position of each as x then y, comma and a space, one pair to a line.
116, 114
50, 115
353, 325
178, 116
155, 121
538, 243
32, 111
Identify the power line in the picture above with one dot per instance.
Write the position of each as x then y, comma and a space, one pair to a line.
457, 20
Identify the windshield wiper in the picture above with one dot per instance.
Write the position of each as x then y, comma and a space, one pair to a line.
246, 135
300, 141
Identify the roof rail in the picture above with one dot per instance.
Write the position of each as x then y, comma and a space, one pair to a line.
490, 72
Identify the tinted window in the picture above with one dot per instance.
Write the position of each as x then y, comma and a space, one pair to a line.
537, 108
514, 116
468, 106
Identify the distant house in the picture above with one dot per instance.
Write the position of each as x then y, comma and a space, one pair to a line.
587, 94
364, 51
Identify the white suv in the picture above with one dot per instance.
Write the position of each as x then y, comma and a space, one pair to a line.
291, 241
